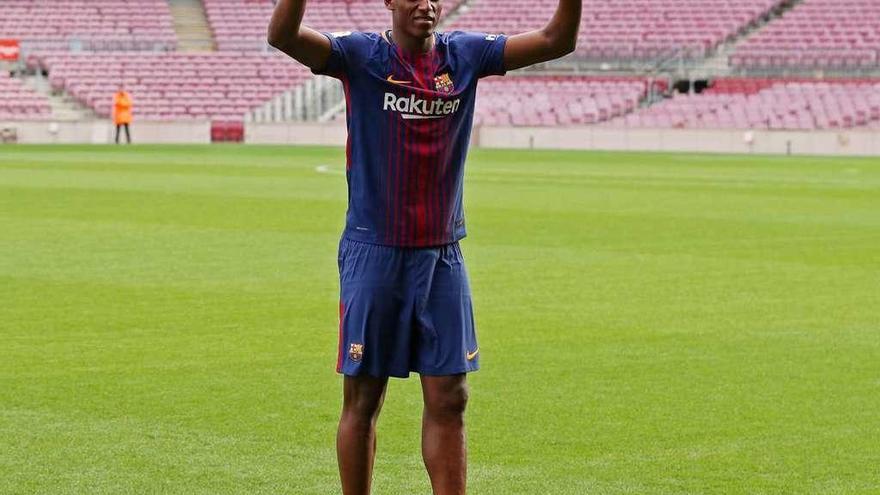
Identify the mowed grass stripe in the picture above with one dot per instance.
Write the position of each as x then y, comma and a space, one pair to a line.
649, 323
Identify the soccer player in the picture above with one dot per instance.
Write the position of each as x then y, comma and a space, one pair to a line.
405, 298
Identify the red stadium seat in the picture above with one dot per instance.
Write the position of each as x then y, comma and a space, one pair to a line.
227, 131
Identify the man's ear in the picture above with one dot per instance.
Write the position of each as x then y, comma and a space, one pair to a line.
389, 4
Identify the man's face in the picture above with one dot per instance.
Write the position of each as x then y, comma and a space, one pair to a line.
418, 18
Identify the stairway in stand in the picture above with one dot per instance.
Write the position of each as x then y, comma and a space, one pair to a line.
191, 25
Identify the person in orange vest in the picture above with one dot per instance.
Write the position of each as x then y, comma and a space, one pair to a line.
122, 104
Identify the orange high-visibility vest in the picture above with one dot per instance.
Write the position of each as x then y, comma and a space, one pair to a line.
122, 108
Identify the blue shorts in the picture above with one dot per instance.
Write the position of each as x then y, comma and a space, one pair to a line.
403, 310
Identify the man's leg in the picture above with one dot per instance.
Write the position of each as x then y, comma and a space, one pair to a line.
127, 134
356, 438
444, 442
117, 133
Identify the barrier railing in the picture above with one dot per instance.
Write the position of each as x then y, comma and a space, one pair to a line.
307, 102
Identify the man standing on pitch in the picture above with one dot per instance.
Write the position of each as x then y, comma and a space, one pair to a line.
405, 298
122, 113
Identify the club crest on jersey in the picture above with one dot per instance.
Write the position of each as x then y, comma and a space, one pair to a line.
443, 84
356, 352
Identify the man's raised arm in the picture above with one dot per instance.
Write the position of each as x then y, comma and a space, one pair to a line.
287, 34
556, 39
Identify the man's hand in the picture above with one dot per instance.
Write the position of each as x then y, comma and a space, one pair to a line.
287, 34
556, 39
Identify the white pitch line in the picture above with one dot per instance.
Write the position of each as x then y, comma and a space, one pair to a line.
327, 169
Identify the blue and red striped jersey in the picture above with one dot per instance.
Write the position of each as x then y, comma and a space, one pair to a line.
409, 120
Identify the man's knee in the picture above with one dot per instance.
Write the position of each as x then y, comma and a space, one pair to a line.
449, 402
362, 407
363, 400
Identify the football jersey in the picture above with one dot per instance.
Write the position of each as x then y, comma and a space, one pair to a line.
409, 119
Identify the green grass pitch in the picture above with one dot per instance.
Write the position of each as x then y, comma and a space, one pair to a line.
649, 324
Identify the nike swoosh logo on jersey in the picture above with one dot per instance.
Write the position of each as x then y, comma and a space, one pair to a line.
395, 81
471, 355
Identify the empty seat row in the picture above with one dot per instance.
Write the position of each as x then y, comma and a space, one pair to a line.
89, 24
627, 29
174, 85
560, 100
817, 34
781, 104
242, 24
19, 102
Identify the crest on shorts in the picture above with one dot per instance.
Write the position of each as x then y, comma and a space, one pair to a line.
356, 352
443, 83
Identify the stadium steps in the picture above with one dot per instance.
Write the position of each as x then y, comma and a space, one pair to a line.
718, 65
64, 107
191, 26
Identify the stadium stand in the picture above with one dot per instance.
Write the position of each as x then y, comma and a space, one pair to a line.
172, 86
88, 24
628, 29
241, 24
89, 47
19, 102
816, 34
766, 104
556, 100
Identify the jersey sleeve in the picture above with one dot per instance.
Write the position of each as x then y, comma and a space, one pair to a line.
349, 51
485, 52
